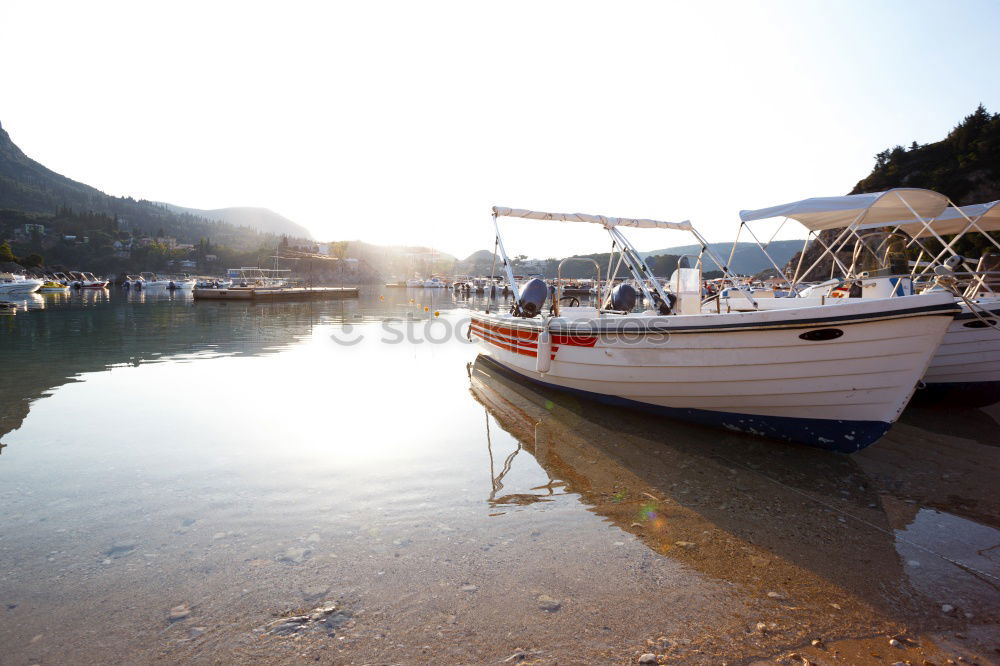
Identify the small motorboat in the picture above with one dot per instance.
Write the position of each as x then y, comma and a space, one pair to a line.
181, 284
85, 280
149, 280
11, 283
53, 287
835, 377
884, 226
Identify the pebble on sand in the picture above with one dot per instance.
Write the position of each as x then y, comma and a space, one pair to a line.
894, 643
178, 613
947, 608
121, 548
295, 555
548, 604
648, 658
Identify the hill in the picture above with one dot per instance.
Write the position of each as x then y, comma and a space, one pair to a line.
261, 219
32, 190
748, 258
26, 185
964, 166
49, 217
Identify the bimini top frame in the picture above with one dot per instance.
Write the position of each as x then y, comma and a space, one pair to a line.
635, 263
849, 214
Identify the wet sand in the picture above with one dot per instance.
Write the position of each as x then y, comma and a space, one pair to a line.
482, 521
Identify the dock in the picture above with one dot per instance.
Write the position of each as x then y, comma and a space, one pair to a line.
271, 294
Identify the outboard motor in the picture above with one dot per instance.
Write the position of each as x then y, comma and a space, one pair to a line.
533, 296
623, 298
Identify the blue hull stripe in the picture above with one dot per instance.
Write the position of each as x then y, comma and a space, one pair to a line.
841, 436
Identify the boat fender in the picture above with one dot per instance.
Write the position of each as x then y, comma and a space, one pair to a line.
543, 359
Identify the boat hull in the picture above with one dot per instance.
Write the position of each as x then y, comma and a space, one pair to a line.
749, 372
966, 368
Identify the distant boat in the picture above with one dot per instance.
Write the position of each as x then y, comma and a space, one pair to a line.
149, 280
18, 284
182, 284
85, 280
53, 287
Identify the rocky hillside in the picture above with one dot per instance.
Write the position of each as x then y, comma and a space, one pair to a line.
964, 166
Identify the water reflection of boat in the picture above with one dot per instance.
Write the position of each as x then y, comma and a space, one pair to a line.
811, 529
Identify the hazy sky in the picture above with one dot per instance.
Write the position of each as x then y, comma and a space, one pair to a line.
404, 122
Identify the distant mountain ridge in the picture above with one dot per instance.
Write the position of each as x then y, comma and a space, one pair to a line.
261, 219
748, 259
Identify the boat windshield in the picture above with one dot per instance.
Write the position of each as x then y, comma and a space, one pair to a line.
880, 253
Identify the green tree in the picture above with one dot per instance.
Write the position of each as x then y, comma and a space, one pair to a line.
5, 252
33, 260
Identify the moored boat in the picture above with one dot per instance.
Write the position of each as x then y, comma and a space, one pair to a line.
886, 228
835, 378
11, 283
53, 287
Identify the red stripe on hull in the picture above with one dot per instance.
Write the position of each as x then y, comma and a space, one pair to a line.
571, 340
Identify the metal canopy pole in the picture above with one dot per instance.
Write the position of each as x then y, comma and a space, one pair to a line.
640, 269
506, 262
722, 266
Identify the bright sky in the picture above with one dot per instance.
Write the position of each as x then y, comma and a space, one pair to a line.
403, 122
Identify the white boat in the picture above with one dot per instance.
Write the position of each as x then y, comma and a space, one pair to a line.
85, 280
966, 366
149, 280
11, 283
831, 377
213, 283
181, 283
435, 283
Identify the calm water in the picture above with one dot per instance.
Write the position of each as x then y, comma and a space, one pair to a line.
242, 463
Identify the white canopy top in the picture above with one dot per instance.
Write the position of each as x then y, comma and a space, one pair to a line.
607, 222
878, 208
952, 221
